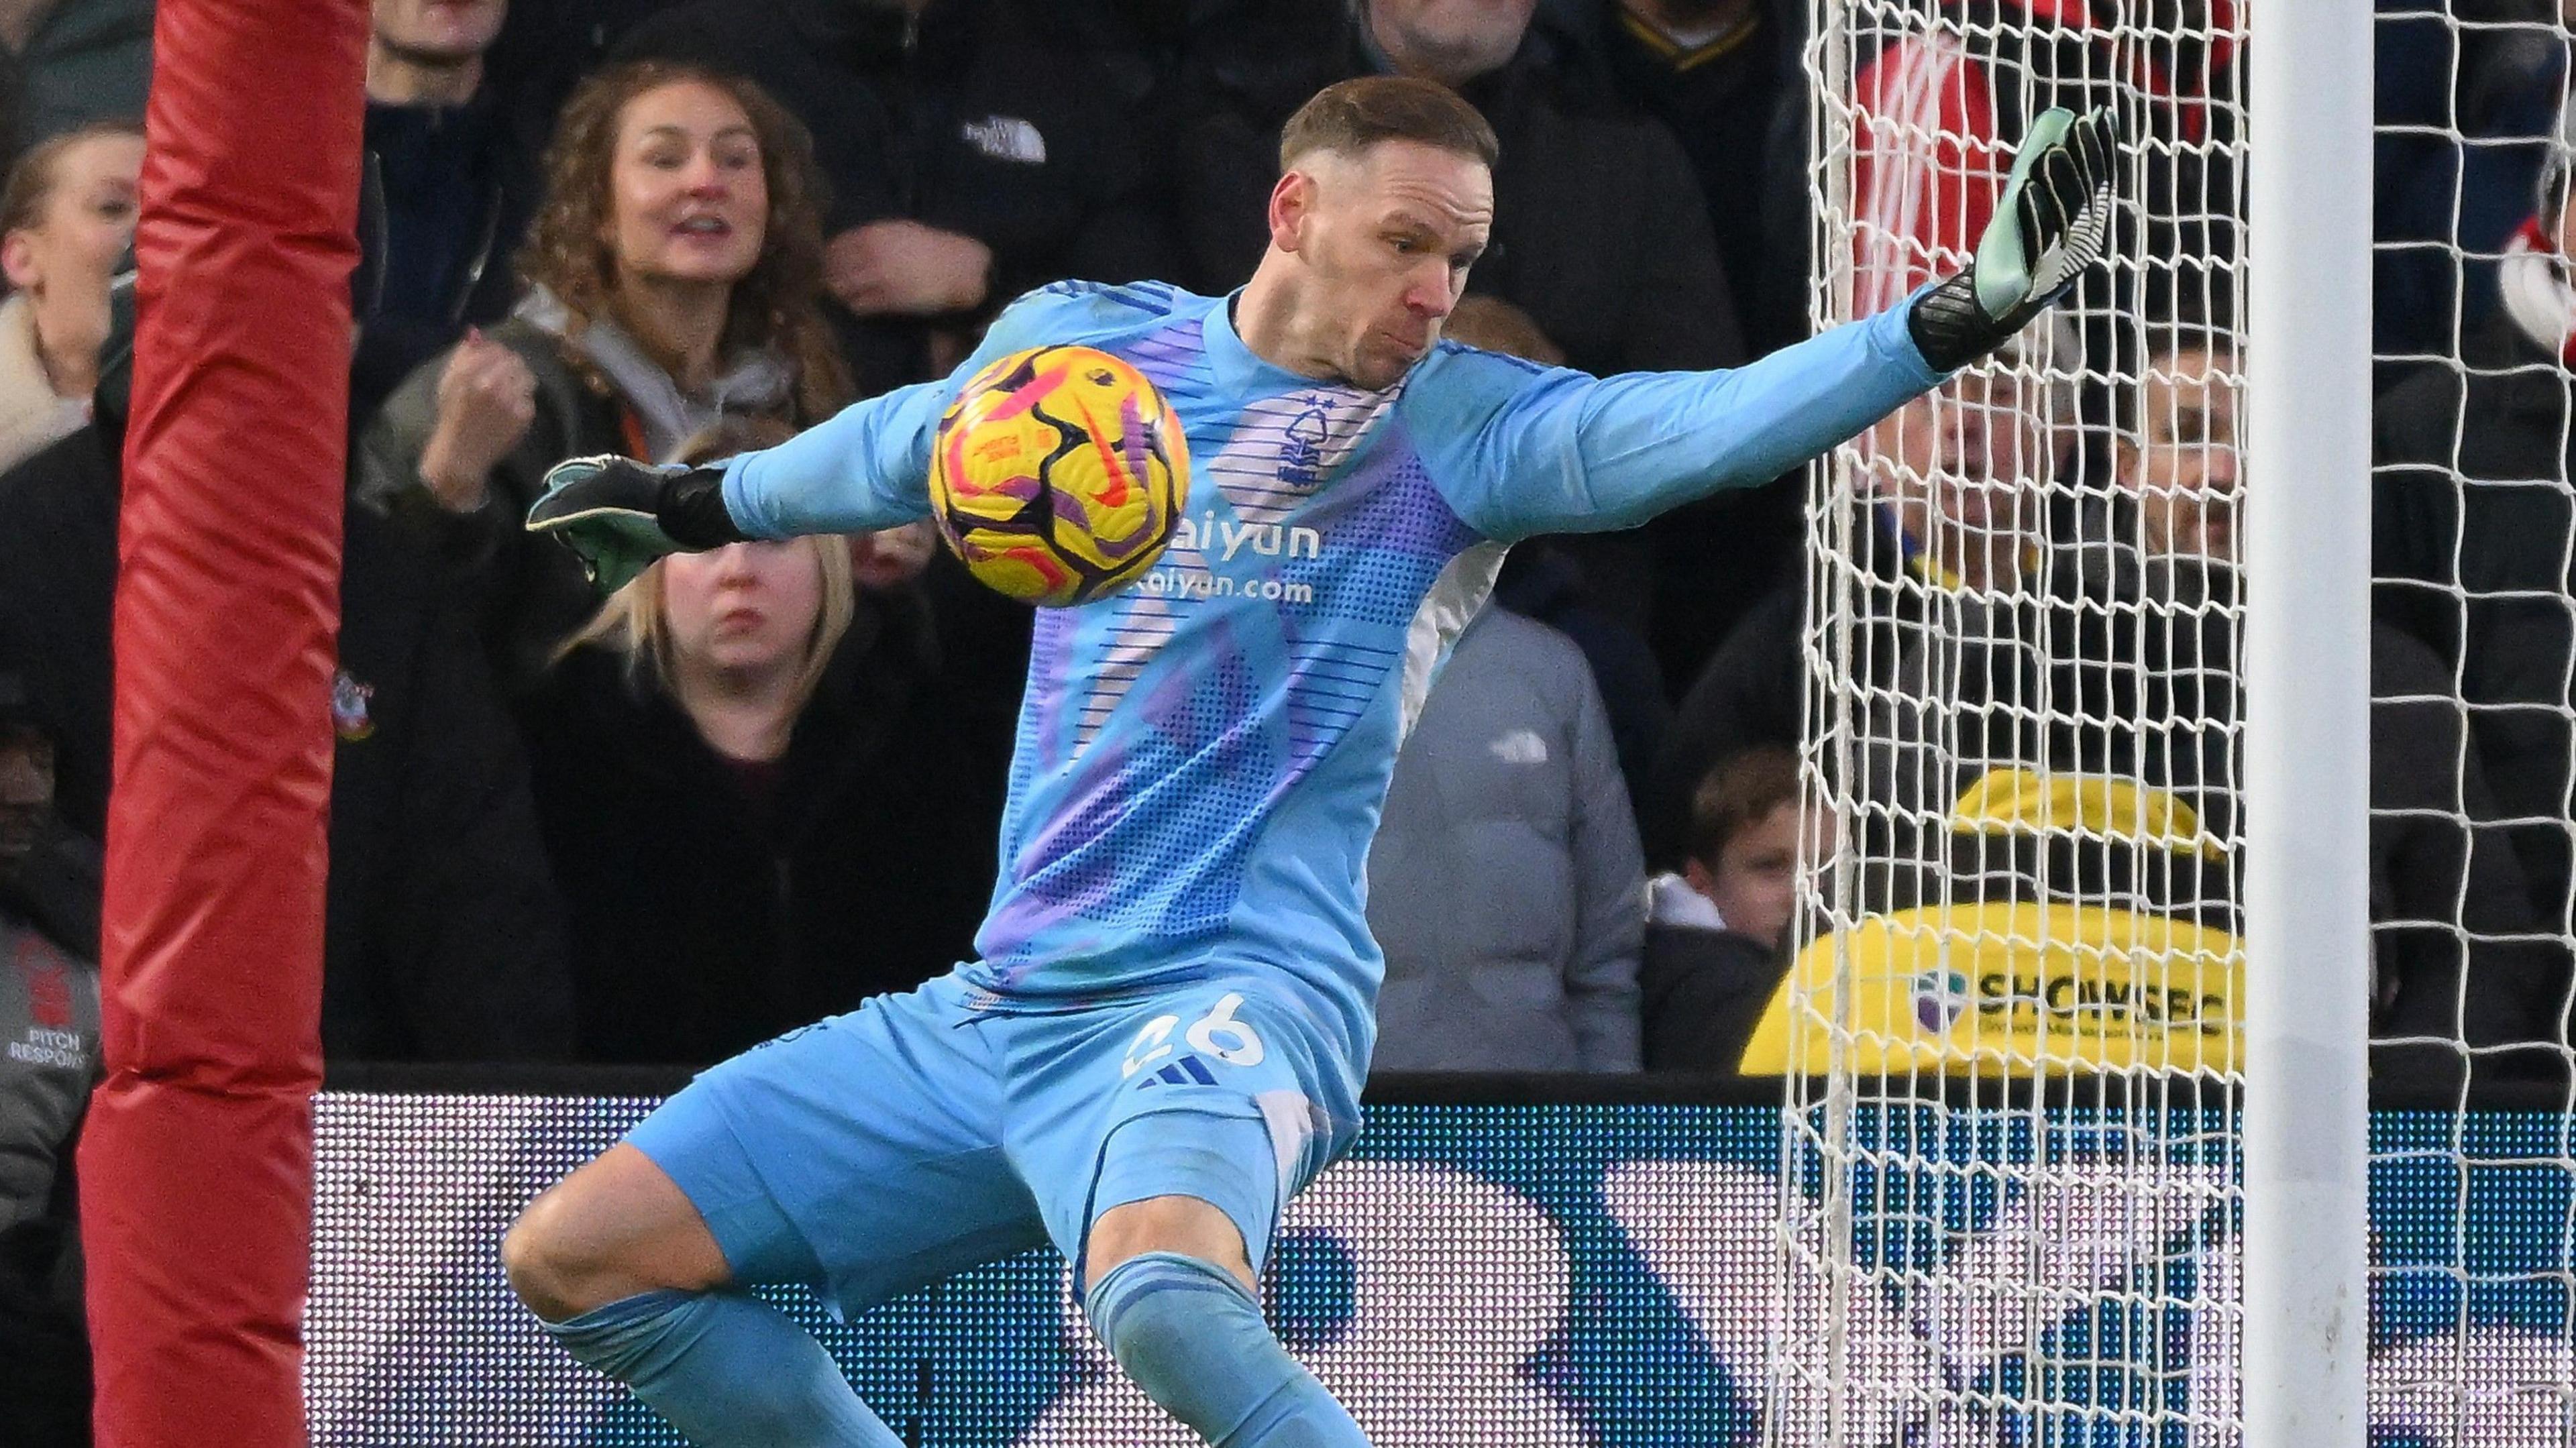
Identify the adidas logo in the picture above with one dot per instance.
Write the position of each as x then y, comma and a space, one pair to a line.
1187, 1071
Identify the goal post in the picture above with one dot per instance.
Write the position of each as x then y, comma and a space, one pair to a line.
2306, 437
196, 1162
2076, 1035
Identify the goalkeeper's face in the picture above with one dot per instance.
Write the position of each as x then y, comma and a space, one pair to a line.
1378, 247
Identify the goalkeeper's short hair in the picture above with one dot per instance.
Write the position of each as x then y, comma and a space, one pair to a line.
1348, 117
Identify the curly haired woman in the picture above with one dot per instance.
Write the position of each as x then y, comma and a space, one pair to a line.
674, 270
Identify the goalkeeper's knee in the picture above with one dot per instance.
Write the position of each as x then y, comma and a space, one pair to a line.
1193, 1339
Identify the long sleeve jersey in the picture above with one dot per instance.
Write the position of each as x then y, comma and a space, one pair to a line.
1201, 757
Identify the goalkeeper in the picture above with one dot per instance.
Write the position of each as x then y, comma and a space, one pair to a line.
1164, 1035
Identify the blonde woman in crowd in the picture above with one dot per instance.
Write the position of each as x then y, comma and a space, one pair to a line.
734, 773
66, 218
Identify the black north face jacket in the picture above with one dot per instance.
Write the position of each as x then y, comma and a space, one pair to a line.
1015, 122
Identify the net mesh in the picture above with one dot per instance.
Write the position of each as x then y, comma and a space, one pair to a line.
2011, 1033
2472, 541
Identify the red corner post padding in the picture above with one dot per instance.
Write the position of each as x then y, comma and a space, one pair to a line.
196, 1167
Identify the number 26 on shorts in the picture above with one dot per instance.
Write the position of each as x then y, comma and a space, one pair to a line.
1216, 1034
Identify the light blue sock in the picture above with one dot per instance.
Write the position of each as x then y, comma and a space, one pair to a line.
727, 1369
1193, 1339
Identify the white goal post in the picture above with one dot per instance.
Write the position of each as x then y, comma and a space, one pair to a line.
2307, 737
2078, 1143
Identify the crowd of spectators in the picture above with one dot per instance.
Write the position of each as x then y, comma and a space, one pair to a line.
656, 832
762, 784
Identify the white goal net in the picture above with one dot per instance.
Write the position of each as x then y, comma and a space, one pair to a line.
2012, 1182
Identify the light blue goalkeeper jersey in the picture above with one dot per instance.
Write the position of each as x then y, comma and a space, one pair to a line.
1201, 758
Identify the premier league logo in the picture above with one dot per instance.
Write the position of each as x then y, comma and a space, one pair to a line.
1939, 997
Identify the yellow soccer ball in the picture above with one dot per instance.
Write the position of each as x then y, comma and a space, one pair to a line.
1058, 475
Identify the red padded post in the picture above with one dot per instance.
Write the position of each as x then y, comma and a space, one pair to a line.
197, 1163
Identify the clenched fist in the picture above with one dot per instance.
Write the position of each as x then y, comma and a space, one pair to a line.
487, 397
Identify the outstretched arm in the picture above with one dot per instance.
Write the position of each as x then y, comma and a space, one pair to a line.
862, 470
866, 468
1558, 451
1522, 450
869, 466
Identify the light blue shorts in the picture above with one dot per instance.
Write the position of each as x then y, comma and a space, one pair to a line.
924, 1133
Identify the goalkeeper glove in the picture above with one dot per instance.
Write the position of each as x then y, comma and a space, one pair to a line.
2050, 224
619, 515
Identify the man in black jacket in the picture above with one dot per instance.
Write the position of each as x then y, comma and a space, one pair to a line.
443, 939
975, 149
454, 158
2460, 958
1945, 534
1723, 76
49, 1063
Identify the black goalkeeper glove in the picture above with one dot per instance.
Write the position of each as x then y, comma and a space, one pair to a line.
2051, 223
620, 515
